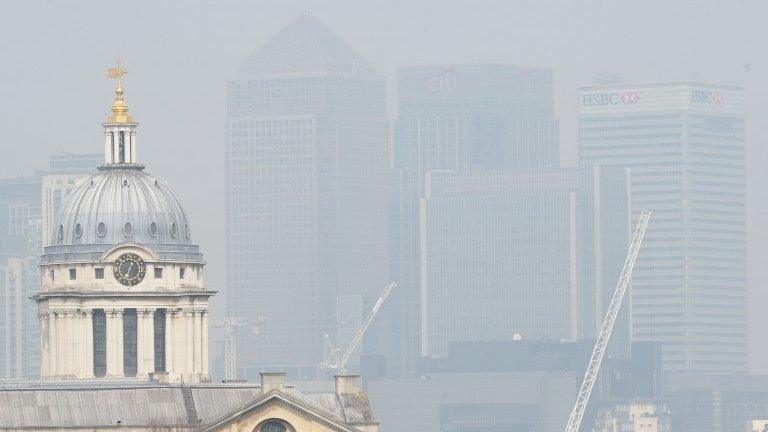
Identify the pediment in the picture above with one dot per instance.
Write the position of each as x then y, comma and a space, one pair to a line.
297, 414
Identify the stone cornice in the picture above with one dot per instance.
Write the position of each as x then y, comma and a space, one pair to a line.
121, 294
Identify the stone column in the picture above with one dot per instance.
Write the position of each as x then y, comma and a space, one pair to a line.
145, 342
140, 344
61, 345
110, 331
179, 332
44, 347
196, 339
107, 148
87, 333
69, 342
132, 136
114, 342
204, 341
169, 347
77, 343
189, 353
120, 348
53, 334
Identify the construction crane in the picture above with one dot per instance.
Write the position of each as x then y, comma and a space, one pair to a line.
334, 361
574, 421
230, 324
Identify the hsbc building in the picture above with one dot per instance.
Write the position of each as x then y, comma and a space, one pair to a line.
683, 148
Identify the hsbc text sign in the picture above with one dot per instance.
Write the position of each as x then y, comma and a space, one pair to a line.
706, 97
609, 99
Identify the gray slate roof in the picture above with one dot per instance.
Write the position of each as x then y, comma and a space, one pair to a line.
306, 45
61, 407
41, 404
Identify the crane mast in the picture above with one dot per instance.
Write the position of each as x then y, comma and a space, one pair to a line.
574, 421
230, 324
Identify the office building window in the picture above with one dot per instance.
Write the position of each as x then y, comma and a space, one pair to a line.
158, 272
72, 274
99, 273
181, 272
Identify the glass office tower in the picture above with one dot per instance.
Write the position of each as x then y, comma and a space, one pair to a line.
684, 146
507, 255
306, 167
462, 118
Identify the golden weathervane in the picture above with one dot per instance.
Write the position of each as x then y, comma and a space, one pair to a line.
117, 72
119, 108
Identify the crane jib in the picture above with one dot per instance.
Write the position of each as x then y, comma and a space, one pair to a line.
593, 367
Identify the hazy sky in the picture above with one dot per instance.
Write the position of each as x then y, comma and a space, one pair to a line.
54, 94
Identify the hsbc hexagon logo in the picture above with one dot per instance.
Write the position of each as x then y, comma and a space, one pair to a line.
630, 98
609, 99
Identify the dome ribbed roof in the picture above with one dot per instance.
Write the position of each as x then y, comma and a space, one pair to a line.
121, 205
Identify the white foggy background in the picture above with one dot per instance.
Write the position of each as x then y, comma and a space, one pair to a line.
179, 54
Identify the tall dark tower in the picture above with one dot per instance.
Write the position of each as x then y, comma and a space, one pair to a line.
306, 162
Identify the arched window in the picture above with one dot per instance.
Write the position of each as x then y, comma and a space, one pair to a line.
273, 426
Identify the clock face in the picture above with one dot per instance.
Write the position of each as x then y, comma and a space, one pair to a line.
129, 269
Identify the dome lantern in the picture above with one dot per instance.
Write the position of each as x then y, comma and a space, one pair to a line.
119, 129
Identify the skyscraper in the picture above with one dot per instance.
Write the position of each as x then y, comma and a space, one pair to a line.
28, 207
505, 253
684, 146
19, 213
306, 161
461, 118
19, 200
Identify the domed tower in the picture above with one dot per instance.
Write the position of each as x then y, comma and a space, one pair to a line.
123, 295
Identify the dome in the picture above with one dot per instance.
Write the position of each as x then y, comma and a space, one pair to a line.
121, 204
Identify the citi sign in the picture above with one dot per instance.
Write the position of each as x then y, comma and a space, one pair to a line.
706, 97
607, 99
443, 82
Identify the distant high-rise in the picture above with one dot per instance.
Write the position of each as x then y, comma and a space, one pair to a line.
684, 146
505, 253
28, 207
479, 116
306, 166
19, 200
19, 209
461, 118
64, 171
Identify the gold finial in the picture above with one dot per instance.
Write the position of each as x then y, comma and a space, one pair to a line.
119, 108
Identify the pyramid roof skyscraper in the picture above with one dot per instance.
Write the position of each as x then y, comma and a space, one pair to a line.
306, 45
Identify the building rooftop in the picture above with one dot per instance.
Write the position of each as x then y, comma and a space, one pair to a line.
306, 45
83, 404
